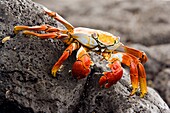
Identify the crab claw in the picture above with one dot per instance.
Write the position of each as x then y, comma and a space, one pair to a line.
81, 68
68, 51
110, 78
78, 69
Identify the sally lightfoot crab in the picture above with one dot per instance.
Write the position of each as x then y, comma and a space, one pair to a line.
103, 43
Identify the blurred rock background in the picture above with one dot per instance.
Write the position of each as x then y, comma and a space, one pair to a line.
141, 24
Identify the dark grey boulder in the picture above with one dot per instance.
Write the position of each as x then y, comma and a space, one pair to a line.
27, 86
162, 84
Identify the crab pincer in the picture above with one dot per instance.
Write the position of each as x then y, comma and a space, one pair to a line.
81, 68
110, 78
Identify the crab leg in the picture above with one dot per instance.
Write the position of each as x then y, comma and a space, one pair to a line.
142, 80
132, 61
59, 18
58, 34
42, 36
81, 68
139, 54
46, 28
68, 51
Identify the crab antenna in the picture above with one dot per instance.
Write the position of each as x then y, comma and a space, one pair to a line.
59, 18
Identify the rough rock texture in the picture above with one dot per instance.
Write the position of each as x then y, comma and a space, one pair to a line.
27, 86
139, 22
162, 84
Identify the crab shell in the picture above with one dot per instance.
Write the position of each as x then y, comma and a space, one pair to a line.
96, 40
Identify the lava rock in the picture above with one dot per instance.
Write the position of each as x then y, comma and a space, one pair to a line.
26, 83
162, 84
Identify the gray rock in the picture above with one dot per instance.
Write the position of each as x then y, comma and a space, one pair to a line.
27, 86
162, 84
17, 13
161, 53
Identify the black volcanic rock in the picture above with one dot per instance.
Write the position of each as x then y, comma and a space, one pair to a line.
27, 86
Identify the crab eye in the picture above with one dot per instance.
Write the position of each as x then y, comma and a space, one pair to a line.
117, 40
95, 35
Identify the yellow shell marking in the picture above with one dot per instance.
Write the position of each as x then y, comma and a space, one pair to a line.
107, 38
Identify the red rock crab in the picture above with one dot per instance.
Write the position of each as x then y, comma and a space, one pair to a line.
101, 42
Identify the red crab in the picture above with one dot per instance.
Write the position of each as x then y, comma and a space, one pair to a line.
101, 42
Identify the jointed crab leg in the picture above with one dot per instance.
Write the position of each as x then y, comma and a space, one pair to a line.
46, 28
142, 80
139, 54
139, 73
131, 62
68, 51
42, 36
59, 18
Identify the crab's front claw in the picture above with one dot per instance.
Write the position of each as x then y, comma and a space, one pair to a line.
81, 68
110, 78
68, 51
78, 69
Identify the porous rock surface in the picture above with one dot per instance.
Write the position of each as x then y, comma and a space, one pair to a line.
27, 86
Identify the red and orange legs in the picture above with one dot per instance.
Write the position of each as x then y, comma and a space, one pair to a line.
141, 71
59, 18
137, 72
133, 75
46, 28
68, 51
139, 54
53, 32
142, 80
110, 78
81, 68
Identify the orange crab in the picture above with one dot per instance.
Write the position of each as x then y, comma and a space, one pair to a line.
103, 43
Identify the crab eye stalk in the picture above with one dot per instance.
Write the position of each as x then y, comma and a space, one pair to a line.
95, 35
117, 40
